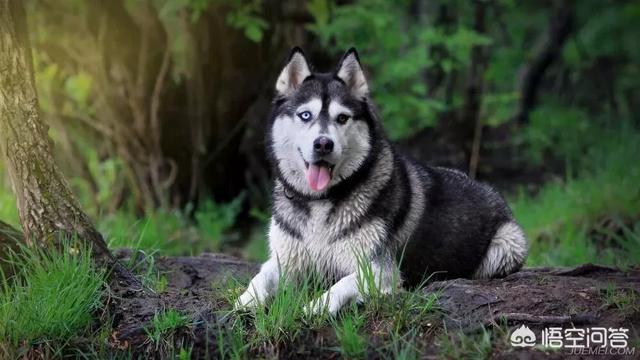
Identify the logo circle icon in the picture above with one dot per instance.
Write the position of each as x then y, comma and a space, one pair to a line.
523, 337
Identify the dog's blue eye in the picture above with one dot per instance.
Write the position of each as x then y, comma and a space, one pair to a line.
305, 115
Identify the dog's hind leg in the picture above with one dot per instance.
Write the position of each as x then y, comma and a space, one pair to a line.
506, 253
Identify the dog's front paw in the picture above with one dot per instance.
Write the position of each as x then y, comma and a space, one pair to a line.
321, 306
246, 301
315, 308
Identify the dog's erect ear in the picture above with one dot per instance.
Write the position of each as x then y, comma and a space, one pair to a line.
350, 71
296, 70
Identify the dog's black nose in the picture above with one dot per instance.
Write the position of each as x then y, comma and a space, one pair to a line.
323, 145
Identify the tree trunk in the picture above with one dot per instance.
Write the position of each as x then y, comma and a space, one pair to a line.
561, 25
48, 210
473, 92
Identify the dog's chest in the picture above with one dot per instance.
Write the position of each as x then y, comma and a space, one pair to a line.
323, 242
317, 226
330, 241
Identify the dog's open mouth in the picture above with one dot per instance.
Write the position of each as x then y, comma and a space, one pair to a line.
319, 174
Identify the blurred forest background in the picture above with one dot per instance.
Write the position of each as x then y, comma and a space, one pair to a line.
158, 109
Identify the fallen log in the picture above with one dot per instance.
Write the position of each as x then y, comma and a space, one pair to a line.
536, 297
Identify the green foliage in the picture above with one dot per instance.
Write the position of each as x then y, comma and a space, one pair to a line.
564, 132
52, 297
513, 46
97, 195
398, 50
606, 71
78, 88
257, 249
213, 219
177, 17
62, 91
245, 15
171, 232
162, 231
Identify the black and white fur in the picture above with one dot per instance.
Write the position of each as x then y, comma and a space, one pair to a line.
379, 203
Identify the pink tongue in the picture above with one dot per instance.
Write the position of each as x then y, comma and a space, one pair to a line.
318, 177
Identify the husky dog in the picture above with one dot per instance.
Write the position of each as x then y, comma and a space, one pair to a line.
344, 194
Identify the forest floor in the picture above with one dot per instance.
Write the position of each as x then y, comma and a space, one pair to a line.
452, 319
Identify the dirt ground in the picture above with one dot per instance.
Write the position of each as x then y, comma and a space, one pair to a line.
585, 296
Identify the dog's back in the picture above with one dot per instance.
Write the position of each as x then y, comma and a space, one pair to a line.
462, 230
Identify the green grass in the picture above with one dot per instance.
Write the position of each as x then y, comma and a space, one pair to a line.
182, 354
368, 283
348, 329
563, 218
403, 346
621, 299
412, 309
164, 324
405, 309
275, 323
283, 318
144, 265
52, 297
458, 345
231, 342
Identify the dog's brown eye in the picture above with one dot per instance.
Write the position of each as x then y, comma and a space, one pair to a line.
342, 119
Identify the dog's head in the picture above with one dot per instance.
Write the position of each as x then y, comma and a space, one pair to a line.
321, 123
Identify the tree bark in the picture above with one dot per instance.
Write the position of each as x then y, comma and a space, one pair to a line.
48, 210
